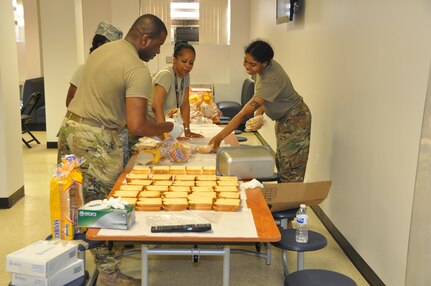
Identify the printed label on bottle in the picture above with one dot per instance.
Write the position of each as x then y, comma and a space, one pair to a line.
302, 219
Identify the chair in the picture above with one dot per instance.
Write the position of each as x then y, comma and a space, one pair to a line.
38, 115
231, 108
26, 117
316, 241
318, 277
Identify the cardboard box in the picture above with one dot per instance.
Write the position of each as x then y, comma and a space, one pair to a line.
284, 196
97, 216
61, 277
42, 258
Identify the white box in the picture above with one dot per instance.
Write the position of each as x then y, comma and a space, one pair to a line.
61, 277
42, 258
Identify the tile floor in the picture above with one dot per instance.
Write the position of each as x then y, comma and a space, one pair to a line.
28, 221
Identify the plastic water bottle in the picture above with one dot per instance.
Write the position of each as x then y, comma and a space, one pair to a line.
302, 224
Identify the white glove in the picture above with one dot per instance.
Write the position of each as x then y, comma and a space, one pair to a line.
177, 131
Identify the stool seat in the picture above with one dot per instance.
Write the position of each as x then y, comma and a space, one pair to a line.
288, 242
318, 277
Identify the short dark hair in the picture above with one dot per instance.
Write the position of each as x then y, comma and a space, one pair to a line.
98, 40
182, 45
147, 24
260, 50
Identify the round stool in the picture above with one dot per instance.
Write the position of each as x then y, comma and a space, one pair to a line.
288, 242
285, 217
318, 277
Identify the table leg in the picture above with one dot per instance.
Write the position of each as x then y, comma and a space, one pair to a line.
226, 266
144, 271
300, 260
268, 253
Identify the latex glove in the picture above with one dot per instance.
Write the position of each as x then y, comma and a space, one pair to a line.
177, 131
254, 123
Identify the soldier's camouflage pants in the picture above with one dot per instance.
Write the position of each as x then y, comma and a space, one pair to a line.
105, 153
293, 143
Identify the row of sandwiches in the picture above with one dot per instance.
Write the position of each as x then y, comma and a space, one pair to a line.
173, 169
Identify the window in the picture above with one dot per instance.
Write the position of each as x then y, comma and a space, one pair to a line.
18, 15
197, 21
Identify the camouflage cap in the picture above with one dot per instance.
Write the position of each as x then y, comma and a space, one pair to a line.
108, 30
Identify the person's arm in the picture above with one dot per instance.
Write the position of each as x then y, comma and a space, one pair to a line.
185, 114
70, 94
159, 97
137, 121
254, 104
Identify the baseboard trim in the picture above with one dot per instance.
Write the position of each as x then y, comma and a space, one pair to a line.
348, 249
7, 203
52, 145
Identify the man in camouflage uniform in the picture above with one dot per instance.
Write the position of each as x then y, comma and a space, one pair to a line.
113, 92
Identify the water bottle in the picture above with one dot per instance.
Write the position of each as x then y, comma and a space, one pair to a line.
302, 224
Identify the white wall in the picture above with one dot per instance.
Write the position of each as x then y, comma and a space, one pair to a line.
11, 167
362, 67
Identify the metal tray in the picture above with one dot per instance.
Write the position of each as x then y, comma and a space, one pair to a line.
245, 162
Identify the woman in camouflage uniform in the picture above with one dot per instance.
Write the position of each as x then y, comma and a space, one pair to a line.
274, 95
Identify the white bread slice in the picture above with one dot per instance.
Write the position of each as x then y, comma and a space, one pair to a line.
130, 188
180, 189
184, 183
149, 194
193, 169
161, 177
149, 202
226, 189
156, 188
228, 195
209, 170
162, 183
125, 194
206, 183
140, 169
200, 200
175, 204
206, 177
136, 176
175, 194
227, 178
227, 205
177, 170
160, 169
197, 195
185, 177
203, 189
227, 183
140, 182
